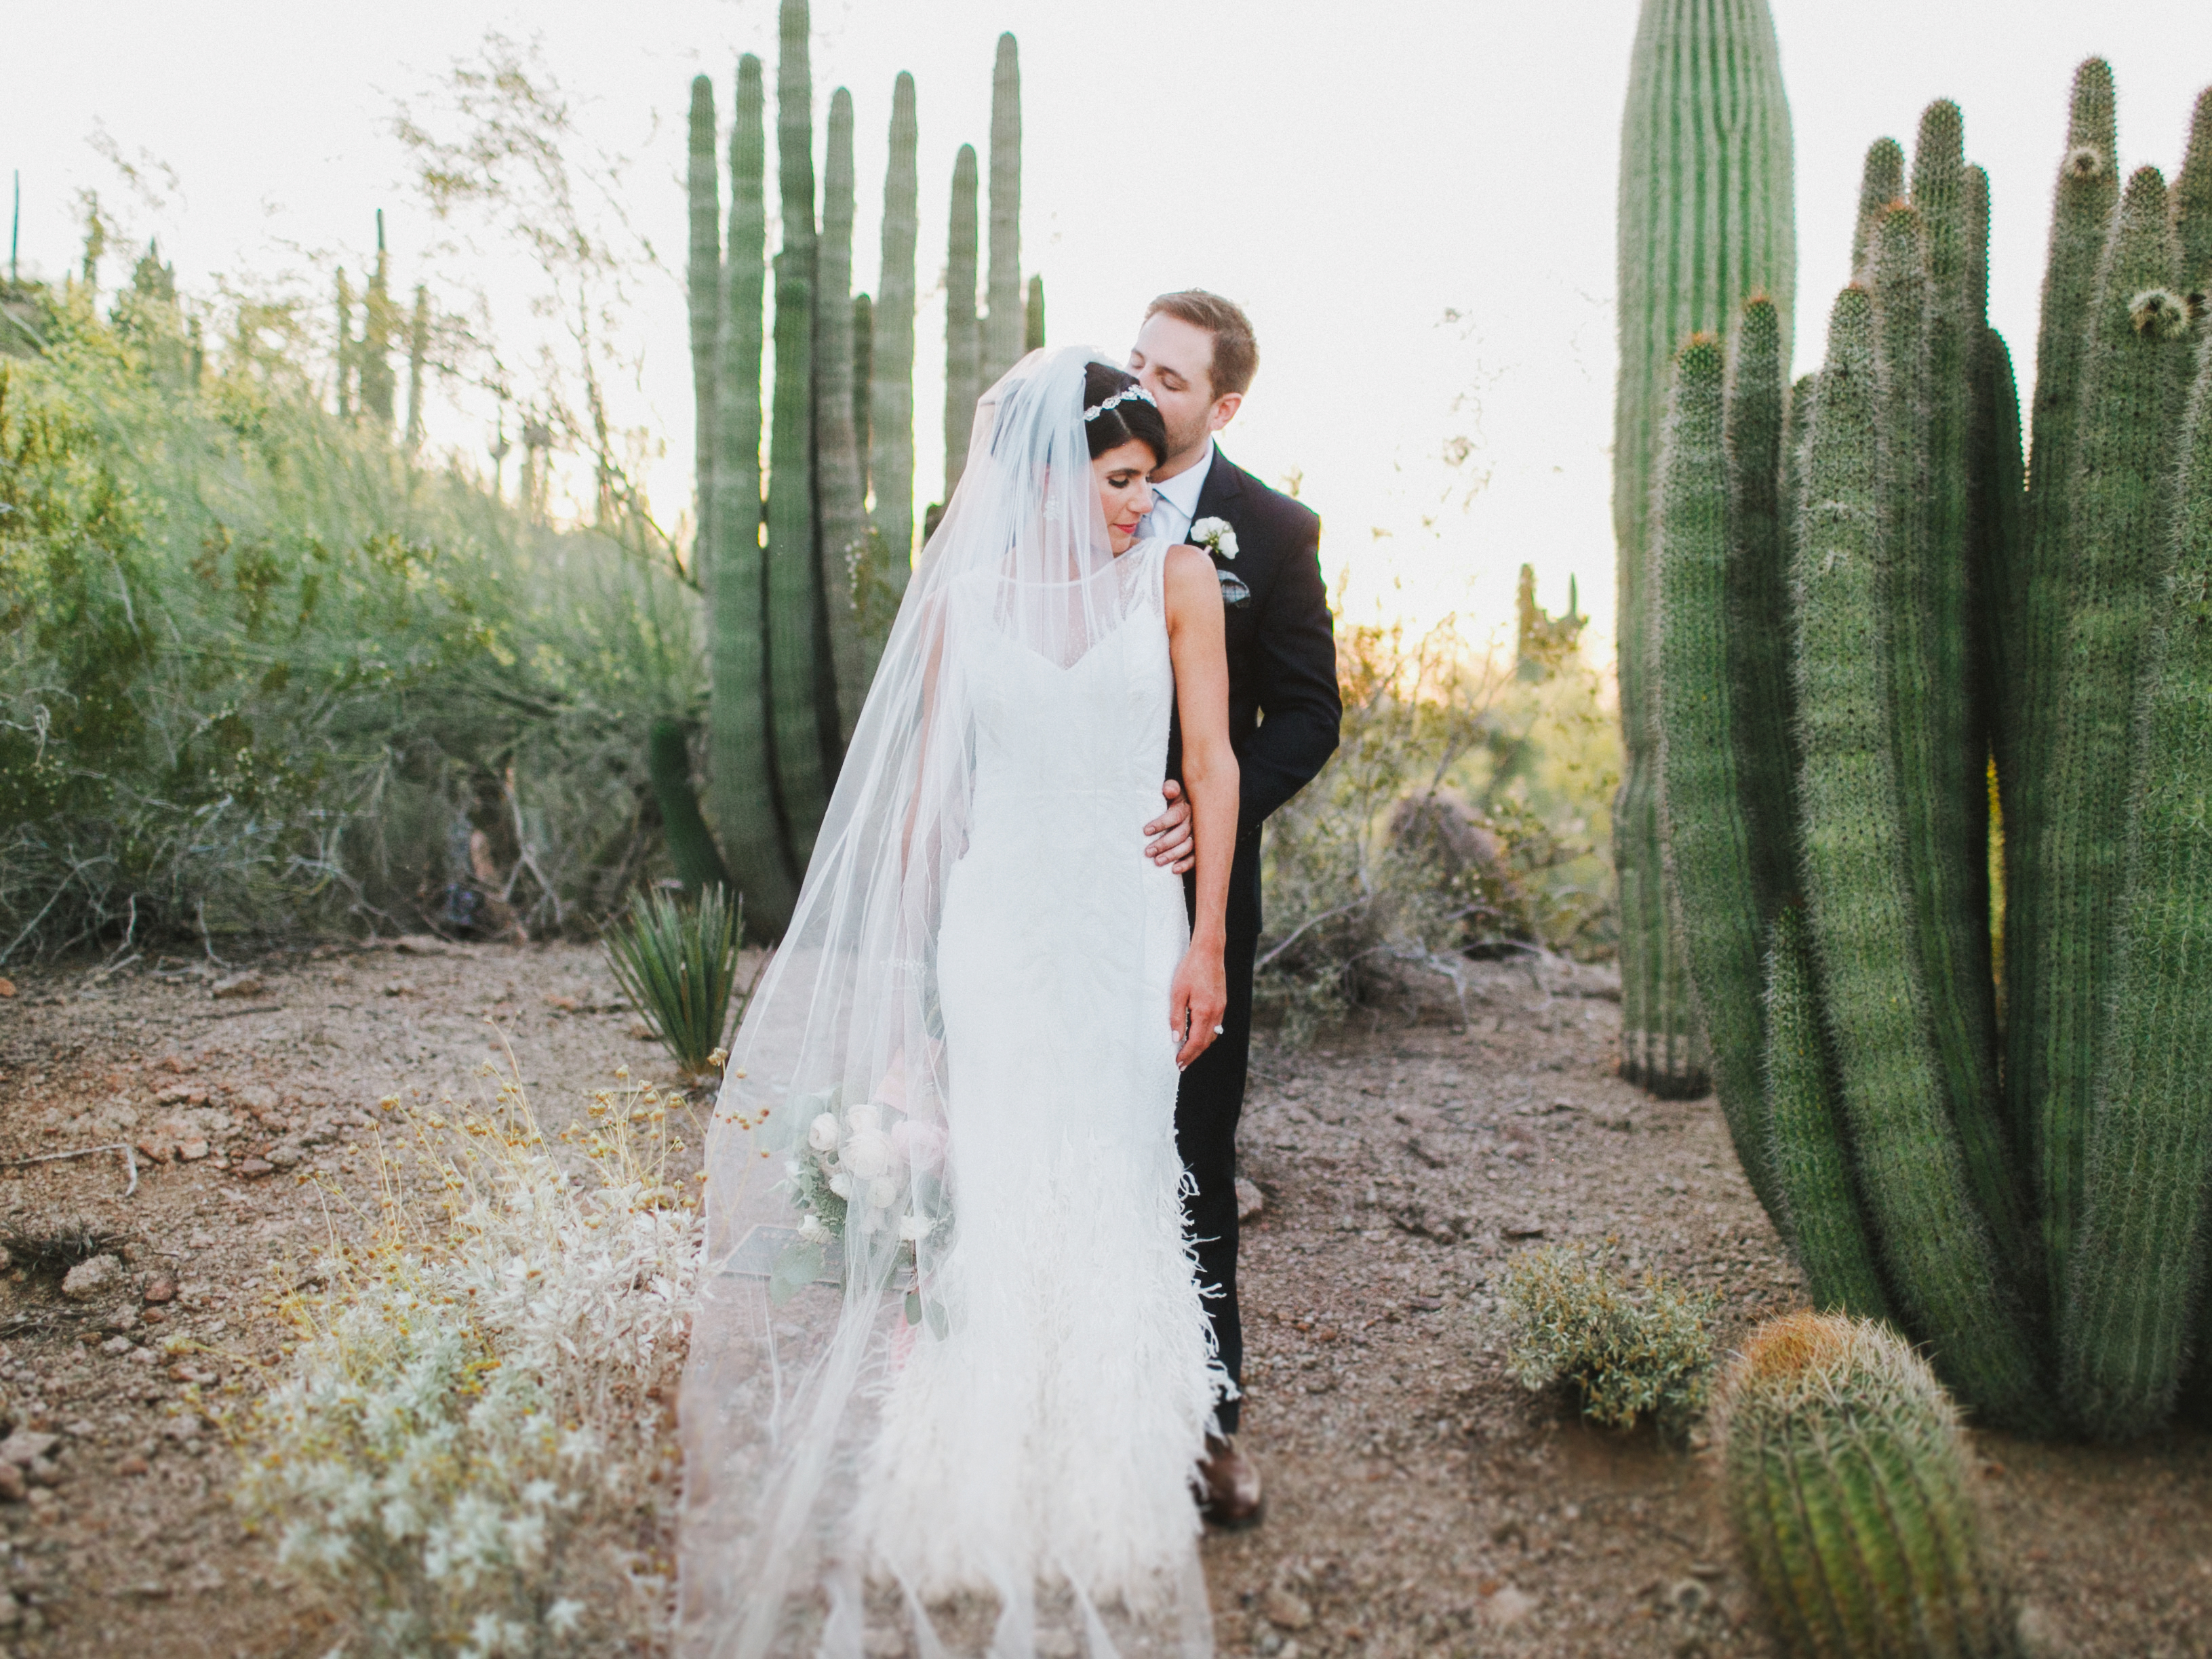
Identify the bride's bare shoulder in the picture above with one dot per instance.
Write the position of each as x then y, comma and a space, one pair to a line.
1187, 565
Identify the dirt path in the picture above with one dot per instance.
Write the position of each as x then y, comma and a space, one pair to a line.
1420, 1503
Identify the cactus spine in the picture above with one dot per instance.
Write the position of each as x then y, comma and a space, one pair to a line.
2142, 1260
962, 334
1690, 251
1003, 327
1826, 1225
1941, 1257
1847, 1484
1709, 843
1881, 181
739, 752
840, 493
890, 422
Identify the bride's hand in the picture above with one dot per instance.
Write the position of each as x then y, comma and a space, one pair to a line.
1197, 1000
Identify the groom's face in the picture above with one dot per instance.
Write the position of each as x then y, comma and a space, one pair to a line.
1173, 359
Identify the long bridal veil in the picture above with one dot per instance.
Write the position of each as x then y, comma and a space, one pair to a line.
829, 1199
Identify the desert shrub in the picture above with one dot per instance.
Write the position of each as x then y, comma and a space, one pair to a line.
1628, 1353
466, 1455
1464, 814
259, 671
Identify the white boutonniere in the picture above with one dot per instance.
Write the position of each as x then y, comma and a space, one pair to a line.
1215, 536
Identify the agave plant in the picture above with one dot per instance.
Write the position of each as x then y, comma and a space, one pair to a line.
677, 963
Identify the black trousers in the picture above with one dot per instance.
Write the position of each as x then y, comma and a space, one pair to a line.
1208, 1103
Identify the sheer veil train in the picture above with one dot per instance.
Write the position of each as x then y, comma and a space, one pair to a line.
834, 1201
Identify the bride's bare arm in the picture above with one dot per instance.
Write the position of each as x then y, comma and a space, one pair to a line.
1200, 996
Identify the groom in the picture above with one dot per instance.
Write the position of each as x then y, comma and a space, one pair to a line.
1196, 356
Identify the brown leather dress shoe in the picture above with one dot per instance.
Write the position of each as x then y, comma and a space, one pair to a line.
1229, 1486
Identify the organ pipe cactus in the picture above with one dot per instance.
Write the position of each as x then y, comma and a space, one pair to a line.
790, 655
840, 492
1963, 637
891, 413
1847, 1485
1003, 328
1705, 102
374, 361
418, 351
962, 332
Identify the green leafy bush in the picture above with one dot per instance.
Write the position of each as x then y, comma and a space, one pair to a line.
260, 671
1628, 1353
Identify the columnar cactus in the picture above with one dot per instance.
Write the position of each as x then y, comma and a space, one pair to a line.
2141, 1259
1848, 1486
1995, 677
1033, 317
738, 749
376, 350
1710, 841
840, 493
1941, 1255
890, 418
1705, 102
345, 349
1807, 1146
418, 351
964, 363
1003, 327
791, 655
704, 289
803, 717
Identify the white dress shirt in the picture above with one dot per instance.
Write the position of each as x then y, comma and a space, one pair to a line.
1175, 502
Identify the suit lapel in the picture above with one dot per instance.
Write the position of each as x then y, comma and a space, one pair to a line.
1222, 486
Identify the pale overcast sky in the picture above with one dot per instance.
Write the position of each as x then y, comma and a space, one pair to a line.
1414, 201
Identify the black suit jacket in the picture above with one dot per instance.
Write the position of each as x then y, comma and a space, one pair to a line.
1283, 704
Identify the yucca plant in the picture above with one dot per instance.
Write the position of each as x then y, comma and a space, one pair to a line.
677, 963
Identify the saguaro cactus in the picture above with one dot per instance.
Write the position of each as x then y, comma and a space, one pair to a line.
1847, 1485
1003, 327
1033, 317
1705, 103
890, 421
963, 332
418, 351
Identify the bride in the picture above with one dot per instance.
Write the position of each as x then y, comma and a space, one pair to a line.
951, 1376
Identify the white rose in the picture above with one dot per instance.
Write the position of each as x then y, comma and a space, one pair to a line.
883, 1192
863, 1120
913, 1228
811, 1227
1227, 544
822, 1134
842, 1184
866, 1156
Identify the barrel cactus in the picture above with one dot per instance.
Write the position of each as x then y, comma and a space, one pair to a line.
1706, 102
1993, 679
1849, 1487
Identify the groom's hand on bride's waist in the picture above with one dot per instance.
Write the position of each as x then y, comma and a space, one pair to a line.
1172, 845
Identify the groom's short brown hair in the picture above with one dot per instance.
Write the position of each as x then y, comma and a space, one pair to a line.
1236, 353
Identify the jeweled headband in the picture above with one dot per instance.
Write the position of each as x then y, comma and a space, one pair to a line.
1126, 392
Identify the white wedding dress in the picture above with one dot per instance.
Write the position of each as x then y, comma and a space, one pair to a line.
1051, 1433
951, 1373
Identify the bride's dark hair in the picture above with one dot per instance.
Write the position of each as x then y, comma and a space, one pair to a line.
1133, 418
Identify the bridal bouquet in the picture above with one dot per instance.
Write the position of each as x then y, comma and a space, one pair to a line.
855, 1172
